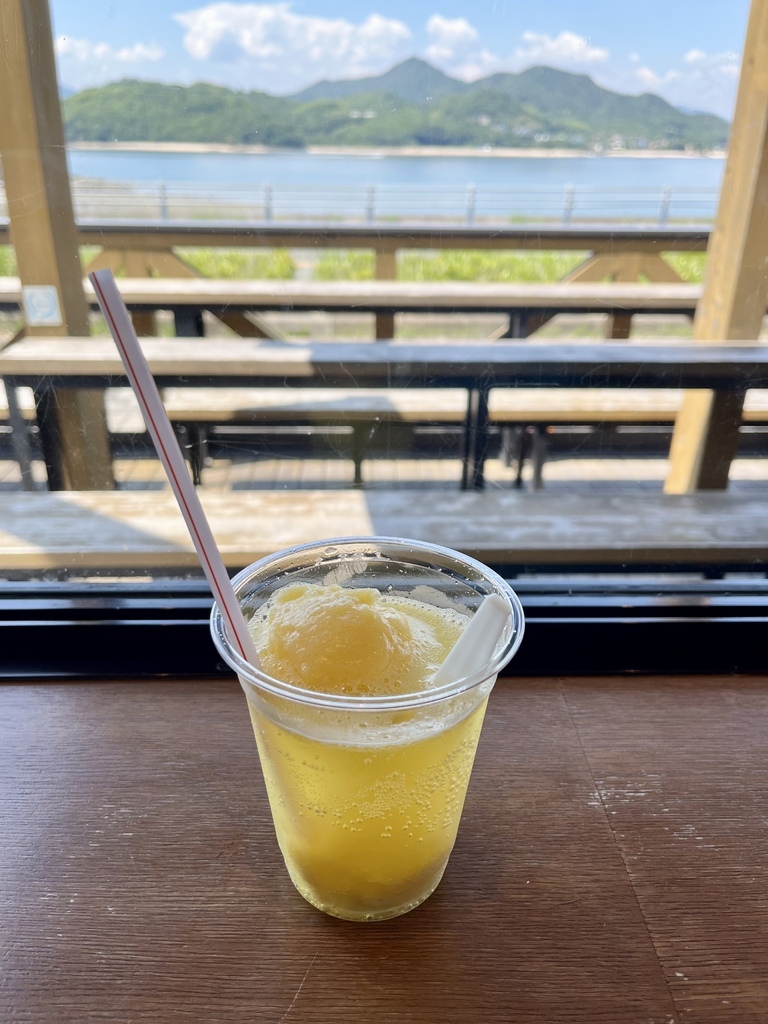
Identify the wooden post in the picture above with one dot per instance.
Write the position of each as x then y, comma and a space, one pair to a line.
733, 300
42, 227
385, 270
136, 265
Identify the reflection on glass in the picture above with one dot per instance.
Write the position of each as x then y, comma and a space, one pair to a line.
390, 185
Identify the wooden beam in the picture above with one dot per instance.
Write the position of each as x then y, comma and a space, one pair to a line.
735, 290
42, 222
385, 270
137, 264
655, 268
167, 235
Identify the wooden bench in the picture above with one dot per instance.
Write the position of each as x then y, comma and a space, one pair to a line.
362, 414
364, 411
82, 532
529, 418
527, 306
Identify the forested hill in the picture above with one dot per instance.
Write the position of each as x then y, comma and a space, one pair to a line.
412, 104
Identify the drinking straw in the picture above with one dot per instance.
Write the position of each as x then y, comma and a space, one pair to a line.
159, 426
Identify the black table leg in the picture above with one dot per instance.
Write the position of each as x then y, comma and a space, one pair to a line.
22, 449
50, 437
476, 440
518, 324
188, 323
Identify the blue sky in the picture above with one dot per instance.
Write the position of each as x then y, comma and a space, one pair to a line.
687, 51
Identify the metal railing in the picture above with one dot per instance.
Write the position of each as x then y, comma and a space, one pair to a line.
472, 204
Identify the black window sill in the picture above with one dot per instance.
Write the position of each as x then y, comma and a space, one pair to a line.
65, 630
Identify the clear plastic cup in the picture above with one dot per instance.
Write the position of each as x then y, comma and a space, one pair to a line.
366, 792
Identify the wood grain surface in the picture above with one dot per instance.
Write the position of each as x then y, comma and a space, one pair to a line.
403, 295
141, 530
610, 866
416, 405
396, 364
614, 239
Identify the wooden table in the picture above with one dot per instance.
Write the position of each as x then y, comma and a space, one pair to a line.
243, 362
610, 867
188, 297
46, 364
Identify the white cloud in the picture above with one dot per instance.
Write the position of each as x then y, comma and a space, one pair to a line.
455, 46
716, 63
289, 50
83, 63
648, 78
449, 37
700, 81
565, 48
83, 50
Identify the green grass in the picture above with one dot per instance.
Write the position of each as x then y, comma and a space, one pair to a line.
7, 261
359, 264
344, 265
230, 264
689, 265
494, 267
452, 265
226, 264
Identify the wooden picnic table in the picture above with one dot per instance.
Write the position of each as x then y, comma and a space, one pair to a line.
610, 865
526, 305
46, 364
233, 362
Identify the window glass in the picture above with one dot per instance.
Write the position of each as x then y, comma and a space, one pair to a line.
284, 193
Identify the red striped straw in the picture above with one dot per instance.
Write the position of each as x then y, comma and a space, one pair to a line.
159, 426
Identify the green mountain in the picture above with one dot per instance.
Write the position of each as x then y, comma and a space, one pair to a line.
412, 104
414, 81
564, 97
131, 111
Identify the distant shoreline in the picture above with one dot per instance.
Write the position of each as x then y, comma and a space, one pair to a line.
398, 151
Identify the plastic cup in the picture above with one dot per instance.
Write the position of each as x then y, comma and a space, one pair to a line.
366, 792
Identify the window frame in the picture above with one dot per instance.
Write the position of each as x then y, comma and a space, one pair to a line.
67, 630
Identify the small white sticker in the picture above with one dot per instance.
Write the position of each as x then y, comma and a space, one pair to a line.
41, 305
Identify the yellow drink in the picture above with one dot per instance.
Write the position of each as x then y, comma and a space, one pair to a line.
366, 733
366, 831
366, 814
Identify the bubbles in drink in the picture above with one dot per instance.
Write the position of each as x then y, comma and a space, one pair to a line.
366, 817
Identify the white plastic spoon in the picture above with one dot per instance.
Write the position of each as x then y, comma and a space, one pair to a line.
477, 643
